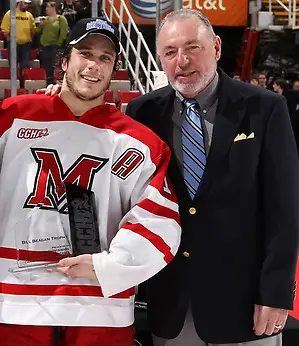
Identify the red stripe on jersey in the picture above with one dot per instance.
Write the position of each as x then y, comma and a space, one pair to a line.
31, 255
159, 210
60, 290
124, 125
155, 239
167, 190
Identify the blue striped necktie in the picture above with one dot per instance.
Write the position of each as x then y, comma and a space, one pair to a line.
194, 154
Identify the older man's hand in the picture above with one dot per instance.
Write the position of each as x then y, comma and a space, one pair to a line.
268, 320
51, 90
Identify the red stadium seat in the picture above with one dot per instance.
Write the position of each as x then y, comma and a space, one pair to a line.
108, 97
7, 92
5, 82
1, 35
5, 73
117, 85
125, 96
34, 78
34, 74
4, 53
121, 75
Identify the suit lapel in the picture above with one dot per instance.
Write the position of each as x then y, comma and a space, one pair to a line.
229, 115
164, 130
165, 105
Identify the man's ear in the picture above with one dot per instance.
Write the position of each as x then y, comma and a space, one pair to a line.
217, 47
64, 64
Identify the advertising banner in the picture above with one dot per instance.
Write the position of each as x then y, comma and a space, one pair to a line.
220, 12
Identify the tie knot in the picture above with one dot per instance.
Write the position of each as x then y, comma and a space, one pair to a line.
191, 102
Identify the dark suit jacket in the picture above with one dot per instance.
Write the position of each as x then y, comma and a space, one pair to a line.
292, 98
242, 240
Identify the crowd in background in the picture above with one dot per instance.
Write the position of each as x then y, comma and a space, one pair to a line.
72, 9
288, 88
43, 25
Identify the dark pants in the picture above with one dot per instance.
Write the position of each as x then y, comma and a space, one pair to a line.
48, 55
23, 54
290, 337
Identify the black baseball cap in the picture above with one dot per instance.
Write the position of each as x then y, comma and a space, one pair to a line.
87, 26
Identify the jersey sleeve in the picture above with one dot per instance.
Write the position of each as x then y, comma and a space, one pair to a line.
149, 234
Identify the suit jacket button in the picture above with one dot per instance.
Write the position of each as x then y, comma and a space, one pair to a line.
192, 211
186, 254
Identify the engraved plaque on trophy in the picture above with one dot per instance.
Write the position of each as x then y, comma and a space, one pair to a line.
84, 230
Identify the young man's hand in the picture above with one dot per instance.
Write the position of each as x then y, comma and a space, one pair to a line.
77, 267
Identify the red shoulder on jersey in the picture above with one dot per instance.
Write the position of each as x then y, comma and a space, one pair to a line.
123, 124
18, 107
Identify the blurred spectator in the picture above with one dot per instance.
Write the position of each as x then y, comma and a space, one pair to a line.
35, 8
25, 29
296, 85
54, 31
4, 6
236, 76
69, 9
270, 82
43, 8
262, 79
280, 86
86, 12
253, 80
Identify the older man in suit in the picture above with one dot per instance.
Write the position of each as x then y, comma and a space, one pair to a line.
235, 171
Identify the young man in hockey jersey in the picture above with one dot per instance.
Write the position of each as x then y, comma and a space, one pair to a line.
74, 137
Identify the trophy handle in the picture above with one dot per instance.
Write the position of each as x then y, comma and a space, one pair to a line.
33, 267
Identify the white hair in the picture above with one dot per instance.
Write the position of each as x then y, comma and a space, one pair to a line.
183, 14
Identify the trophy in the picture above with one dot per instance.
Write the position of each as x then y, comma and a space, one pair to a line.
84, 228
68, 229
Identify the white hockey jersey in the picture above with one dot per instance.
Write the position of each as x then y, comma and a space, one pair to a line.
42, 145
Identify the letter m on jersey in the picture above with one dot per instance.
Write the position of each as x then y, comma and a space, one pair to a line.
49, 191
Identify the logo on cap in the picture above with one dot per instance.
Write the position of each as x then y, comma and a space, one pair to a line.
100, 25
